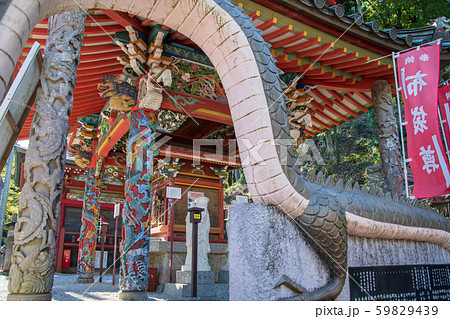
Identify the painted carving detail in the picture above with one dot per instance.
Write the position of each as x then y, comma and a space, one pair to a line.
391, 159
34, 243
170, 121
122, 95
89, 225
197, 80
138, 197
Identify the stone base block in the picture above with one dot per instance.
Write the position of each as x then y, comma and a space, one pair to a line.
133, 295
85, 280
224, 276
199, 268
204, 291
265, 245
29, 297
203, 277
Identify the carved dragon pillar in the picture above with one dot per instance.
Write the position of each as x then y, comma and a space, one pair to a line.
89, 227
136, 215
388, 136
31, 275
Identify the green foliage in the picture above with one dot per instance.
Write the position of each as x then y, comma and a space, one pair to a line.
12, 204
401, 14
349, 149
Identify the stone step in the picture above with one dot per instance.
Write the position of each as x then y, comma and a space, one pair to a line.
204, 291
203, 277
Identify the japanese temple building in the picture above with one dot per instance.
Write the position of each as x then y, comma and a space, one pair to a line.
330, 61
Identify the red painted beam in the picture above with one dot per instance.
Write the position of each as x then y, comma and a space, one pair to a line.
97, 18
87, 30
101, 56
345, 108
176, 35
289, 64
364, 66
361, 86
266, 25
96, 64
374, 70
255, 15
299, 16
349, 64
341, 59
309, 133
204, 109
280, 32
387, 73
323, 115
329, 55
298, 69
124, 20
282, 58
320, 49
315, 128
105, 70
90, 77
87, 89
317, 105
302, 46
336, 113
319, 122
339, 78
289, 40
321, 96
99, 48
98, 39
146, 22
336, 95
315, 72
328, 75
355, 103
90, 83
365, 98
31, 41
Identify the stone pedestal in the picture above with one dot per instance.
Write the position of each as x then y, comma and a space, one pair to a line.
202, 268
223, 276
29, 297
160, 256
203, 277
207, 288
265, 244
9, 241
133, 295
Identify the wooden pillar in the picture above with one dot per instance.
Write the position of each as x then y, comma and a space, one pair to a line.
31, 275
89, 227
390, 153
138, 197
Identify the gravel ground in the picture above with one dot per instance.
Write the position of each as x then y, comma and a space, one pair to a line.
66, 288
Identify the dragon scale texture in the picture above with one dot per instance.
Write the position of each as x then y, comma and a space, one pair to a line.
330, 206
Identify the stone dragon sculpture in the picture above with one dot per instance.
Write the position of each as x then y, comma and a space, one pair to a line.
327, 212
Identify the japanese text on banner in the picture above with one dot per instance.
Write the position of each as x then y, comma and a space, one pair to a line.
418, 73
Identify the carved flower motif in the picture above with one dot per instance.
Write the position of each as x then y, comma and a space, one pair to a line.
185, 77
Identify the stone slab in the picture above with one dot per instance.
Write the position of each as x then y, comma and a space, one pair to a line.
223, 276
203, 277
29, 297
265, 244
204, 291
133, 295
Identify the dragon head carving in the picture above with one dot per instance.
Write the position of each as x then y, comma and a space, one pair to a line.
122, 95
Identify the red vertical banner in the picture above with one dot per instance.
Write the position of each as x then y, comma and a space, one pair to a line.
444, 105
418, 77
